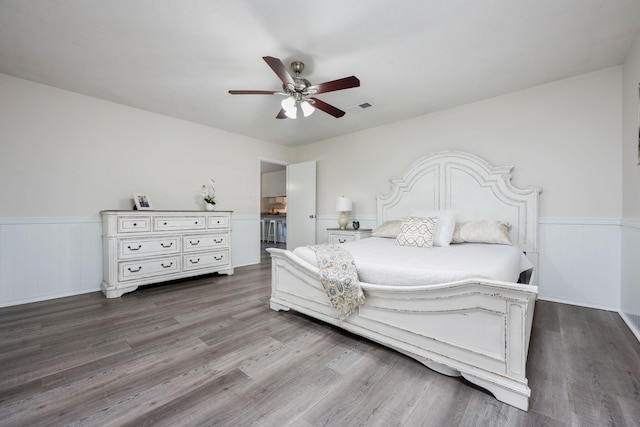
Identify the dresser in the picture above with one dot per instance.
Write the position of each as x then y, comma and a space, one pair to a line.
143, 247
338, 235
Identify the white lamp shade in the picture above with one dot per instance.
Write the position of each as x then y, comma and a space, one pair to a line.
289, 103
307, 109
289, 106
343, 204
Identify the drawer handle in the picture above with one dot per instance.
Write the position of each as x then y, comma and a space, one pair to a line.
196, 243
135, 224
196, 222
134, 249
170, 244
194, 262
342, 240
165, 223
166, 266
218, 241
218, 258
134, 271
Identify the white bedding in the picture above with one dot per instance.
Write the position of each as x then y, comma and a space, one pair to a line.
380, 261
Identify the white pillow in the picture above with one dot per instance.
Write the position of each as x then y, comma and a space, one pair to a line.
417, 231
483, 232
445, 227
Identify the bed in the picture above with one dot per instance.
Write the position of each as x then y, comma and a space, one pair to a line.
475, 325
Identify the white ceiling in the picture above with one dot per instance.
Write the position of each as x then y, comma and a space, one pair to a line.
179, 58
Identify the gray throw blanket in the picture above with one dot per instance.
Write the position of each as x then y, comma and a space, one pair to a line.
339, 277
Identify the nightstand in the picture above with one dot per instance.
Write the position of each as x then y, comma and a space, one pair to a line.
338, 235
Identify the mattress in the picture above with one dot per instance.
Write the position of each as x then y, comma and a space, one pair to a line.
380, 261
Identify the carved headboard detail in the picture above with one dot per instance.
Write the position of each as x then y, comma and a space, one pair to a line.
471, 187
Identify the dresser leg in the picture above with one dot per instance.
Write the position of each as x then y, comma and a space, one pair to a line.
113, 292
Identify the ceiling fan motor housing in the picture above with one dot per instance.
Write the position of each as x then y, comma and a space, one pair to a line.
297, 67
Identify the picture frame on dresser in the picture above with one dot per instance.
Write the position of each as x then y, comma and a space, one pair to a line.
142, 202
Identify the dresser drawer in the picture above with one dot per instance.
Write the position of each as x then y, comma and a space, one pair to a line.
205, 260
144, 247
181, 223
199, 242
134, 224
341, 238
136, 248
337, 236
218, 222
132, 270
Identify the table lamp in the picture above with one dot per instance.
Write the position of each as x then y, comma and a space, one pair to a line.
343, 205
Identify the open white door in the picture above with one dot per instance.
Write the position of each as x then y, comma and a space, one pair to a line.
301, 204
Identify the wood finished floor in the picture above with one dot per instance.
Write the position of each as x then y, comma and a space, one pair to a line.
209, 351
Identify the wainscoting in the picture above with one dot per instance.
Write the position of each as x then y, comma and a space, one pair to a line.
582, 262
46, 258
630, 282
579, 262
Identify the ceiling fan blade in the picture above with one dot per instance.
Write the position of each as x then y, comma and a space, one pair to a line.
327, 108
252, 92
344, 83
278, 67
282, 114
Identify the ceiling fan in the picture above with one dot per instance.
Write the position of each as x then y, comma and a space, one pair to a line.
299, 91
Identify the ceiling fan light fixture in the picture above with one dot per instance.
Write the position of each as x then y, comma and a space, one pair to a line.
289, 106
307, 108
292, 114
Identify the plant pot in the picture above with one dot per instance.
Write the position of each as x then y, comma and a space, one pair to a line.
209, 206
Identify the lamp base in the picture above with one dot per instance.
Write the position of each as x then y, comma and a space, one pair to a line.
343, 220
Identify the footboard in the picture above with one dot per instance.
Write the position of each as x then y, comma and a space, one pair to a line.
479, 329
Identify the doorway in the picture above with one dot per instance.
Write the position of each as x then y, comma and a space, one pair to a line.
272, 205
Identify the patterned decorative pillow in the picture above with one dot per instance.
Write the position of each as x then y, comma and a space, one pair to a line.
496, 232
388, 229
446, 224
417, 231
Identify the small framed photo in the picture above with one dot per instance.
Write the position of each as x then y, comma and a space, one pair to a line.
143, 202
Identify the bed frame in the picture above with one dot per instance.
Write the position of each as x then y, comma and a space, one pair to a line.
478, 329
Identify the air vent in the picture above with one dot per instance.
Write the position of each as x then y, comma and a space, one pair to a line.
359, 107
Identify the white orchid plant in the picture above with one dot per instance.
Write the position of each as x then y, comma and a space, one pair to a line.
209, 192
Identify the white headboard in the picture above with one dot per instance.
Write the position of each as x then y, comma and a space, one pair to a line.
472, 188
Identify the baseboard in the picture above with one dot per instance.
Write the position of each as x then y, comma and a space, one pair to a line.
631, 325
579, 304
47, 297
625, 318
245, 264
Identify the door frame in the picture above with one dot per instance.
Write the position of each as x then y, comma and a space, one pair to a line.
259, 194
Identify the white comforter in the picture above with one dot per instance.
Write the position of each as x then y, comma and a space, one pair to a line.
379, 261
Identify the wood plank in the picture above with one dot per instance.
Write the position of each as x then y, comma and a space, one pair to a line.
209, 351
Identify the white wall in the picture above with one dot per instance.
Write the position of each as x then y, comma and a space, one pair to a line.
64, 157
630, 129
563, 136
630, 292
72, 155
